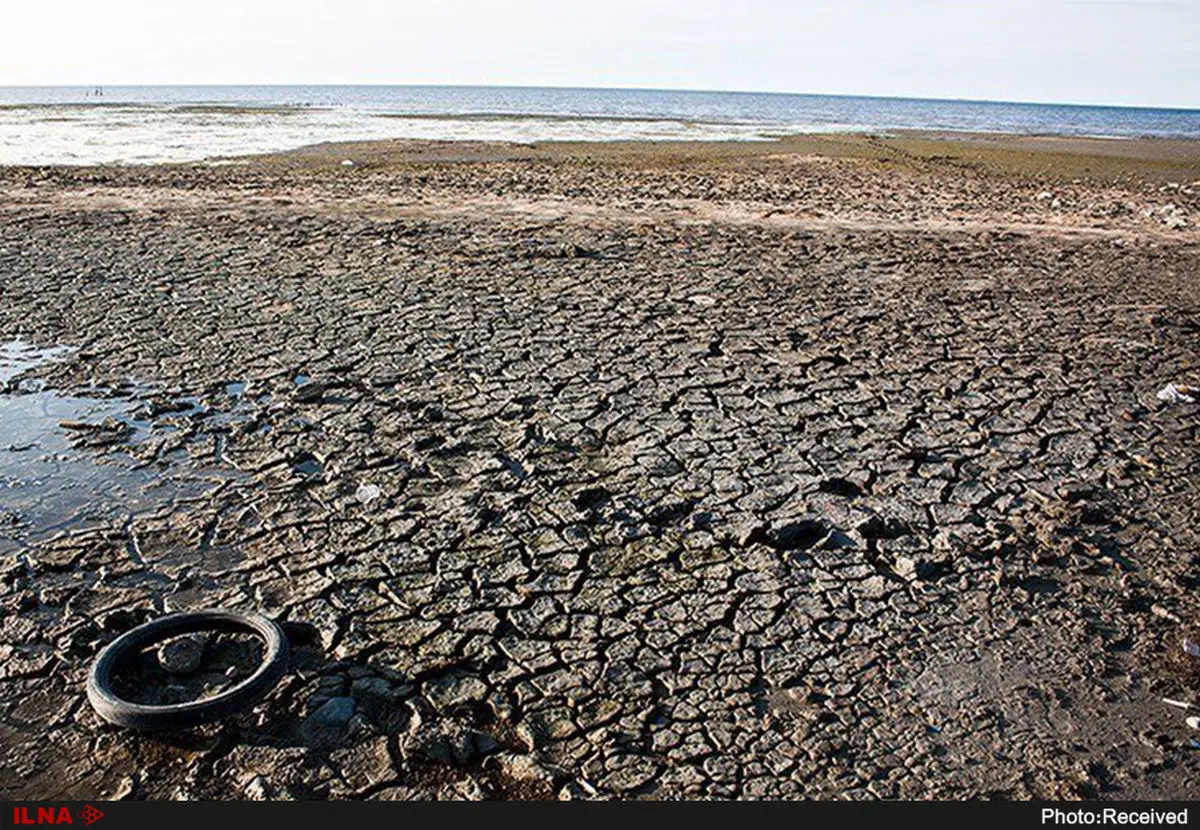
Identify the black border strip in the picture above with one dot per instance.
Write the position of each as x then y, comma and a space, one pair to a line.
129, 815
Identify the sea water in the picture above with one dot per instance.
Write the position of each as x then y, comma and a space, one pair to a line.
130, 125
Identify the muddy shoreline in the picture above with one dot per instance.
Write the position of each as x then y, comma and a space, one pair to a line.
831, 467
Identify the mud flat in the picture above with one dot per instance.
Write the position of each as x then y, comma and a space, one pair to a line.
830, 467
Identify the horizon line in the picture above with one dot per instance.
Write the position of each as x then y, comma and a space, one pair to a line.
572, 87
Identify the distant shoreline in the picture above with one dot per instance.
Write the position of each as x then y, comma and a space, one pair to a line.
1184, 151
144, 125
1154, 159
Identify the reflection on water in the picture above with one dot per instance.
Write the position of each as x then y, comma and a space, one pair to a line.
17, 357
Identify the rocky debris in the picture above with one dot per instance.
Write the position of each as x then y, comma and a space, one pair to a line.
1170, 214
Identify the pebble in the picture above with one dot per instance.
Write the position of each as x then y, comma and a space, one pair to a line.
367, 493
182, 655
257, 789
336, 711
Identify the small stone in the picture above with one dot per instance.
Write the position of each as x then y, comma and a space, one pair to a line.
485, 744
347, 163
1178, 393
182, 655
125, 789
336, 711
367, 493
1165, 613
920, 568
576, 791
258, 789
523, 767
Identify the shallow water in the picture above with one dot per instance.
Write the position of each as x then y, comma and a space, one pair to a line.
74, 125
18, 357
49, 482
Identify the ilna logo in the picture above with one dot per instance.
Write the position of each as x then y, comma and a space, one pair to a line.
55, 815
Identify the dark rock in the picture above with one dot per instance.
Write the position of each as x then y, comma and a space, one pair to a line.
334, 712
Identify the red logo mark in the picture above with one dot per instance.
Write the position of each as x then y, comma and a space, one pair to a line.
90, 814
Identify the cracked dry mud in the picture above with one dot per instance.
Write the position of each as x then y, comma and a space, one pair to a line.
616, 473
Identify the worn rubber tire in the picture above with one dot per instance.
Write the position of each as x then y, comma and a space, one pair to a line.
115, 709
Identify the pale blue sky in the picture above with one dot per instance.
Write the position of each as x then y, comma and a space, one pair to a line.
1143, 52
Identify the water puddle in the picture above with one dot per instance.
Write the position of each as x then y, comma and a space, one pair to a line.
62, 464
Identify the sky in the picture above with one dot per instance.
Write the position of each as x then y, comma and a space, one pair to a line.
1128, 52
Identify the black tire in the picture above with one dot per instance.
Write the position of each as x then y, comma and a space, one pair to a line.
122, 712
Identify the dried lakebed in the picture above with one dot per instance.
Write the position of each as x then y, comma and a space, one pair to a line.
621, 501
